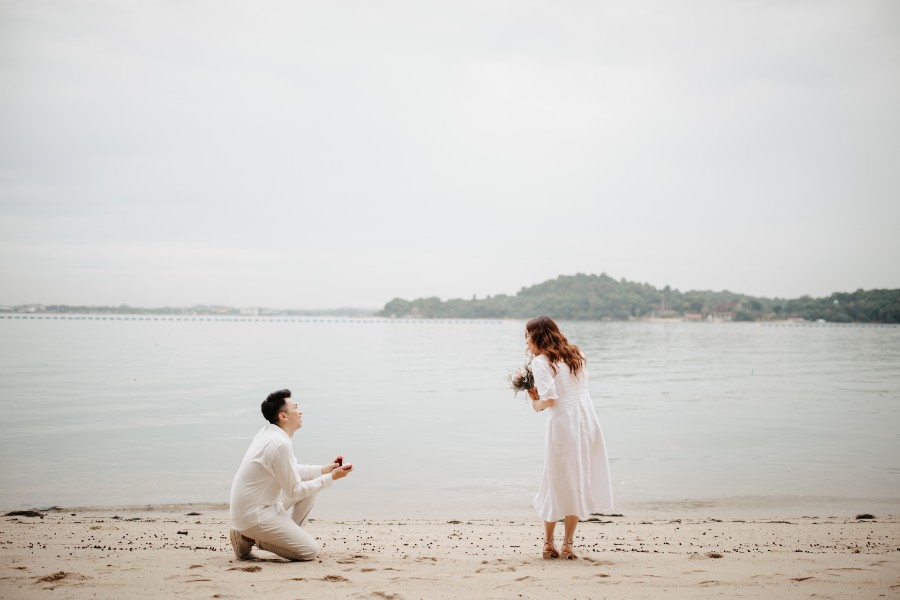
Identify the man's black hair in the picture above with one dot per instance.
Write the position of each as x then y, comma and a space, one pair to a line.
273, 405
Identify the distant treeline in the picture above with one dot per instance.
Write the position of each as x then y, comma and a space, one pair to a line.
199, 310
600, 297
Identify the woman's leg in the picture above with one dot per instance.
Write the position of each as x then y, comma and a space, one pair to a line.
567, 550
571, 524
549, 528
549, 550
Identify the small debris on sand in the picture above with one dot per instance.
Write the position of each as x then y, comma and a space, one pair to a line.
24, 513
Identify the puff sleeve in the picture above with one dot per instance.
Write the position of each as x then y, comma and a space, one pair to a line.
544, 378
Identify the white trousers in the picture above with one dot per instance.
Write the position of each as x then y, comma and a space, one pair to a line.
284, 535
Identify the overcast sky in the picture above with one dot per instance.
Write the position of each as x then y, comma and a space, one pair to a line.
324, 154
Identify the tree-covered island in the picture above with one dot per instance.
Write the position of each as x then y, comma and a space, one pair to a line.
601, 297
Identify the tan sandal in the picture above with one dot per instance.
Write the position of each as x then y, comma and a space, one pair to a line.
551, 553
568, 555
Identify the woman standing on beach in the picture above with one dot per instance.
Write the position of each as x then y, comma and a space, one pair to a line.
576, 480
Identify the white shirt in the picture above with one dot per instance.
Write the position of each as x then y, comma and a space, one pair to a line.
269, 479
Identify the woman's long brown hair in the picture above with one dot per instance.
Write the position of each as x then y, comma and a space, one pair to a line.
550, 341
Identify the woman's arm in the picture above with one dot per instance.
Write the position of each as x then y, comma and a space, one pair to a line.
536, 403
544, 385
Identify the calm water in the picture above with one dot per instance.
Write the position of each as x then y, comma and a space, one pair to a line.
710, 416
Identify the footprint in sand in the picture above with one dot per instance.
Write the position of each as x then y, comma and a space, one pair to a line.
61, 575
60, 578
250, 569
509, 569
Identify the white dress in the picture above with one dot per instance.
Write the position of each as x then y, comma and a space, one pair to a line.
576, 469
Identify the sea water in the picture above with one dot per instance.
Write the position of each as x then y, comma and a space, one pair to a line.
143, 411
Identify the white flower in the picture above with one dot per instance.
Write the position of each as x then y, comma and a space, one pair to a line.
522, 379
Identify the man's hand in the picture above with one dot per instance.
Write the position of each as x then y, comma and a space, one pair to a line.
341, 472
337, 462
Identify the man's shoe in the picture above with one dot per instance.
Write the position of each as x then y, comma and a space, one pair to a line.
240, 545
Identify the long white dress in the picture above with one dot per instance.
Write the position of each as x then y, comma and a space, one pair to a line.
576, 468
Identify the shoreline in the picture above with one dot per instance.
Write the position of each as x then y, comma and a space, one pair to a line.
751, 507
166, 551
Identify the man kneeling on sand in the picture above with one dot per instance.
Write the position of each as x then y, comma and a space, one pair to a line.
272, 495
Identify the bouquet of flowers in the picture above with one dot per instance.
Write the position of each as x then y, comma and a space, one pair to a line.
522, 379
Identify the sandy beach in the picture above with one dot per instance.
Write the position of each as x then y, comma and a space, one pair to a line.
185, 552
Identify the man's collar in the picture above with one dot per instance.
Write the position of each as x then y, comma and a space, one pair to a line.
274, 427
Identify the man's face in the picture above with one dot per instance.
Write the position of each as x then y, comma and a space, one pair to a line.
294, 418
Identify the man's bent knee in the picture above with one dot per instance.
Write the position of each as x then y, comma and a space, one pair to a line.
306, 552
